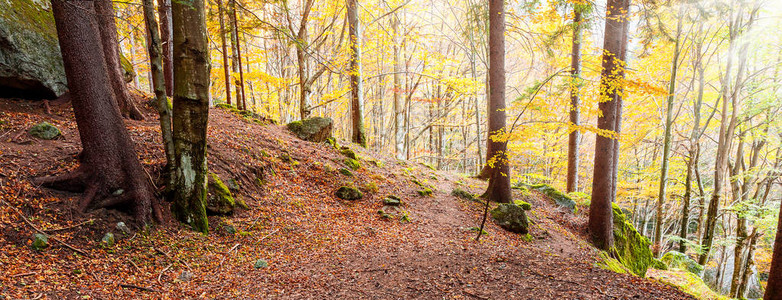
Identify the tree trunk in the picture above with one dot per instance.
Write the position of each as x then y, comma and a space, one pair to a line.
226, 69
164, 12
191, 112
399, 108
108, 39
159, 86
356, 82
575, 103
774, 285
658, 243
600, 212
241, 98
110, 172
499, 180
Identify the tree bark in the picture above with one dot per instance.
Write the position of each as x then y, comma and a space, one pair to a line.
575, 103
191, 112
226, 69
164, 11
399, 107
110, 172
600, 212
159, 86
499, 180
356, 82
241, 99
109, 43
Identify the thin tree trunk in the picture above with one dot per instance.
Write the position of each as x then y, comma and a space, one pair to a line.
600, 214
226, 69
575, 103
399, 108
108, 33
658, 243
164, 11
238, 55
159, 86
191, 112
356, 82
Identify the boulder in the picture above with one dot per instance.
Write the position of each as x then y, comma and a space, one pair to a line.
630, 247
348, 153
511, 217
44, 131
558, 197
315, 129
220, 200
30, 61
349, 193
123, 228
678, 260
40, 241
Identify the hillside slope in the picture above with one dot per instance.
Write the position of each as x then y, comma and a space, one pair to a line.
315, 245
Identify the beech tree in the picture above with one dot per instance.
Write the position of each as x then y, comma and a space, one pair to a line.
499, 174
191, 112
109, 173
226, 69
606, 156
574, 139
356, 81
167, 44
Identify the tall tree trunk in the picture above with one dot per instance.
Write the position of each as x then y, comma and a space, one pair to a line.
159, 86
600, 212
774, 285
241, 99
110, 172
164, 11
110, 46
575, 103
226, 69
399, 107
658, 243
191, 112
499, 180
356, 82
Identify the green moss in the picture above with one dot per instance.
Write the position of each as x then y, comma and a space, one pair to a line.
511, 217
40, 242
525, 205
224, 106
127, 68
352, 163
348, 153
45, 131
686, 282
345, 172
659, 265
680, 261
349, 193
429, 166
630, 247
426, 192
608, 263
369, 187
457, 192
220, 200
558, 197
333, 142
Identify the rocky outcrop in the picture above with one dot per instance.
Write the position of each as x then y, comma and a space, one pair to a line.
630, 247
678, 260
30, 61
315, 129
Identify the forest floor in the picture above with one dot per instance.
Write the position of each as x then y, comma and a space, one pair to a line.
315, 245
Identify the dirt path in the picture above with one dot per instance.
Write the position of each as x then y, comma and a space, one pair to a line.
316, 246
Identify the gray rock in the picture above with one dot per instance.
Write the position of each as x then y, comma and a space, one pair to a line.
315, 129
40, 241
123, 228
349, 193
185, 276
30, 60
511, 217
391, 201
44, 131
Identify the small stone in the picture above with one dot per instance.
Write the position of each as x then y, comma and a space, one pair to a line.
40, 241
230, 229
391, 202
349, 193
118, 192
185, 276
44, 130
345, 172
123, 228
260, 263
108, 240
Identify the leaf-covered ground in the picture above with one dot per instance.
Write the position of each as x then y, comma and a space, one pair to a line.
315, 245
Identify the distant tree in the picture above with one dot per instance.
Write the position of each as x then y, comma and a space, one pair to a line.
574, 139
226, 69
110, 46
399, 107
164, 11
236, 55
110, 173
499, 174
606, 155
191, 112
356, 82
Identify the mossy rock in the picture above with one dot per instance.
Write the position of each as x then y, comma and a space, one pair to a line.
457, 192
40, 242
315, 129
392, 201
352, 163
659, 265
680, 261
108, 240
429, 166
609, 263
127, 69
348, 153
220, 200
525, 205
558, 197
630, 247
345, 172
426, 192
45, 131
349, 193
511, 217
